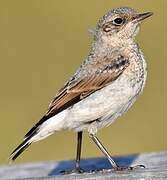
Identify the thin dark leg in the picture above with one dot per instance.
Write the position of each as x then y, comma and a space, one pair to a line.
104, 151
78, 156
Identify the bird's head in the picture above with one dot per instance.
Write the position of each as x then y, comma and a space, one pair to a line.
120, 24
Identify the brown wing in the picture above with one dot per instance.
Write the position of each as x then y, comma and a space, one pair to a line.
74, 91
82, 89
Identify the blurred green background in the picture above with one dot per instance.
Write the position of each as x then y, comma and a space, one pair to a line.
42, 42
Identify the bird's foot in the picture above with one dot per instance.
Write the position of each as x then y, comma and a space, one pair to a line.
122, 168
74, 171
118, 168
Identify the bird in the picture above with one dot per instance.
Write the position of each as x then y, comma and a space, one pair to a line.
103, 88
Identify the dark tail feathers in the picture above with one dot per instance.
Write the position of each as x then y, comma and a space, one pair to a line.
23, 146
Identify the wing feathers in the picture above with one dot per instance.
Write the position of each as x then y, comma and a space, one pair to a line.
75, 90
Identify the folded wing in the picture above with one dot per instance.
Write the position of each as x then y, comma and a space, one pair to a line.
75, 90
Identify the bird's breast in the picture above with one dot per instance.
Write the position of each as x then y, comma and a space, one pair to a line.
111, 101
136, 72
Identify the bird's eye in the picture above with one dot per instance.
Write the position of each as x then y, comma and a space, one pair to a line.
118, 21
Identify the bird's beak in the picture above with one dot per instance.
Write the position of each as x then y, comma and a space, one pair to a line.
141, 17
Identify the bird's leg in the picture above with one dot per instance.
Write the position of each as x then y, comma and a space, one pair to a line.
104, 151
78, 156
77, 168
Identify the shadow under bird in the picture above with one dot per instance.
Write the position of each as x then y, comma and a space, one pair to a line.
103, 88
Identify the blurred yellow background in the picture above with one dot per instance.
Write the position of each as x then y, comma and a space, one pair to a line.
42, 43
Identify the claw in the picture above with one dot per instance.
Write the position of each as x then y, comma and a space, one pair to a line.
74, 171
140, 166
119, 168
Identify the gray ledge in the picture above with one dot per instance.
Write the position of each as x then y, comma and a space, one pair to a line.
156, 168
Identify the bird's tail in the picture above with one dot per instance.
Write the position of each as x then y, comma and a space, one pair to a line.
23, 146
28, 139
35, 134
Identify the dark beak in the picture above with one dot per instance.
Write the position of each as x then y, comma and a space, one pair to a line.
141, 17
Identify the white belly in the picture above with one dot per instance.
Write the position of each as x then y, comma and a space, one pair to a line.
104, 105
